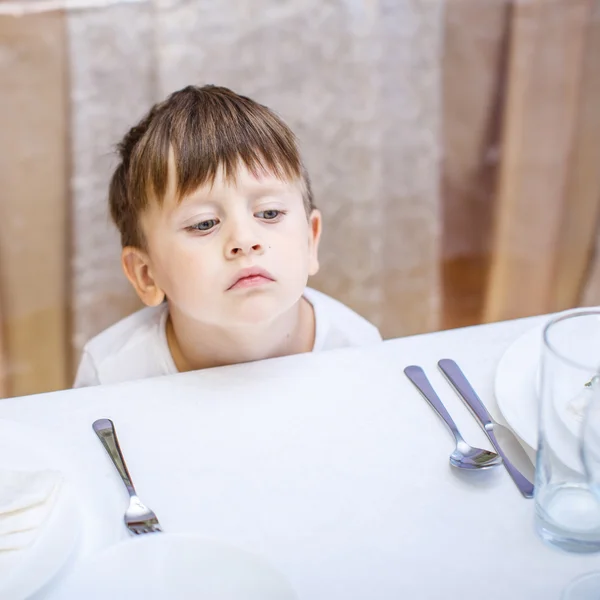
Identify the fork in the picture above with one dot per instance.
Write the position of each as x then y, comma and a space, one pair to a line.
138, 517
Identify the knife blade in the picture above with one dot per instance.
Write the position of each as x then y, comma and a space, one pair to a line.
465, 390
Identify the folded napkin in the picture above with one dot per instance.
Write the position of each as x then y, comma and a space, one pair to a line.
26, 502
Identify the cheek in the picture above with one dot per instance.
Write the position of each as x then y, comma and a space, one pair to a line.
292, 255
183, 267
294, 238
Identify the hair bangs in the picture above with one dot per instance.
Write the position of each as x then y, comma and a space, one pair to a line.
221, 132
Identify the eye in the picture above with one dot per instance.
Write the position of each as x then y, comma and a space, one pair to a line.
204, 225
269, 215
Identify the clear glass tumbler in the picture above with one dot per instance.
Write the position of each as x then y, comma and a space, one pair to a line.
587, 587
567, 512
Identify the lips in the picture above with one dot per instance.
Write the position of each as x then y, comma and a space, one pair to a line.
251, 277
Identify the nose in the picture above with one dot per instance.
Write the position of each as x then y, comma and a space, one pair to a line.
243, 242
244, 249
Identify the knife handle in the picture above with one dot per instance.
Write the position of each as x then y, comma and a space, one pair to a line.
457, 378
523, 484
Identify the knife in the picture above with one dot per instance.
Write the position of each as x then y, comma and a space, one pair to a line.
460, 383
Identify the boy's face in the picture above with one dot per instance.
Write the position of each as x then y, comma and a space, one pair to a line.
229, 254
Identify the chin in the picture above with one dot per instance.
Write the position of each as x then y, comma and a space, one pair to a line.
255, 309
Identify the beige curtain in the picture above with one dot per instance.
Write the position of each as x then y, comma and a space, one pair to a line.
112, 82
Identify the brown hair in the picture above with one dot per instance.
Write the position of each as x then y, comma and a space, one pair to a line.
206, 128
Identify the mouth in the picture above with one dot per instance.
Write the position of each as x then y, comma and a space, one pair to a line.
252, 277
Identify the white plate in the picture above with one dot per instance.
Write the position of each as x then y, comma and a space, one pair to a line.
517, 390
516, 386
178, 567
24, 447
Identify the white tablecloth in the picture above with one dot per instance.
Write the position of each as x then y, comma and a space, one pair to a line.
329, 465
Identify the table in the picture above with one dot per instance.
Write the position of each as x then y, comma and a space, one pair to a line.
329, 465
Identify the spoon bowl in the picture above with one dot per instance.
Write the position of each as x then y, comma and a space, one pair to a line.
469, 458
464, 456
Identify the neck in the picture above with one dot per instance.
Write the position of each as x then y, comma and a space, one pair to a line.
200, 345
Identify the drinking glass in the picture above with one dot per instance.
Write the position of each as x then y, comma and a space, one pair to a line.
567, 512
587, 587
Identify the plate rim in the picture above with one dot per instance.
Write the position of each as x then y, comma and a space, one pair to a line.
530, 338
79, 576
21, 582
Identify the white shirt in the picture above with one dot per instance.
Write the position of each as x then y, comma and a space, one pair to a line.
136, 347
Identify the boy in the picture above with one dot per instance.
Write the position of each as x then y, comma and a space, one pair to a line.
219, 236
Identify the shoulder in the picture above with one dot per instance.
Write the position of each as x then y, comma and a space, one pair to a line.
130, 349
127, 332
337, 325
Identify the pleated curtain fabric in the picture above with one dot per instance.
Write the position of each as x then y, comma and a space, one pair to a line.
112, 84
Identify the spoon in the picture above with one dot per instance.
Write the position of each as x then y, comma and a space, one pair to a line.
464, 456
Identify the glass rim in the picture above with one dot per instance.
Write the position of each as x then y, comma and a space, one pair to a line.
572, 585
565, 316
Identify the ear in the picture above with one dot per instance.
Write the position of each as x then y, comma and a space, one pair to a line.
314, 237
136, 265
